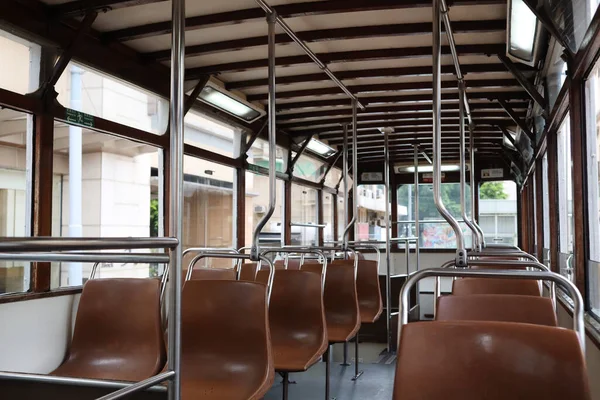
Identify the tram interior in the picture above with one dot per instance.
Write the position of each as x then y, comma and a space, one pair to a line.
265, 199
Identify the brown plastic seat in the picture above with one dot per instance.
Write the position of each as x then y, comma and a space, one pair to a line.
368, 290
462, 360
496, 307
226, 347
117, 333
248, 273
216, 274
340, 299
297, 319
495, 286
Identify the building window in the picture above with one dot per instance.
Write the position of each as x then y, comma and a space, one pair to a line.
434, 231
565, 199
257, 204
304, 212
371, 213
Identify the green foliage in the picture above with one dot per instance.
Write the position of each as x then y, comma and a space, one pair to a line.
154, 217
492, 191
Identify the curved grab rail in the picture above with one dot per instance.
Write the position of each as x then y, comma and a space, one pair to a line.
197, 257
317, 252
578, 323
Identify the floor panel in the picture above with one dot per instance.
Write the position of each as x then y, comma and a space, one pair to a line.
375, 384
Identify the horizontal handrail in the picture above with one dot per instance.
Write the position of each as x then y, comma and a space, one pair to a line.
14, 244
138, 387
197, 257
133, 258
63, 380
319, 253
578, 323
501, 254
302, 224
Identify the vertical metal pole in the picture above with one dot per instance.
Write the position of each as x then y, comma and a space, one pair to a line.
345, 180
355, 170
417, 225
461, 256
463, 183
388, 261
481, 242
255, 250
176, 192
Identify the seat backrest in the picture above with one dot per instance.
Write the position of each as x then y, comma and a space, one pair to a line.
296, 308
248, 273
496, 307
224, 325
495, 286
216, 274
340, 298
498, 265
118, 332
368, 290
477, 360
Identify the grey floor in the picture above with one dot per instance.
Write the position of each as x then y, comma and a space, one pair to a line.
375, 384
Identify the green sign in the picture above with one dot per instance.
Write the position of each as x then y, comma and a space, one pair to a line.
79, 118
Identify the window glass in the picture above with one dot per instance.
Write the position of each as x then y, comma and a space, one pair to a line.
104, 187
208, 134
19, 64
572, 18
304, 212
309, 168
328, 217
342, 215
556, 73
258, 154
257, 204
208, 209
434, 231
84, 89
565, 198
333, 178
14, 204
498, 211
371, 212
593, 177
546, 211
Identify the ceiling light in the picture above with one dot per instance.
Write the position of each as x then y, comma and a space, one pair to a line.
230, 104
429, 168
522, 32
316, 146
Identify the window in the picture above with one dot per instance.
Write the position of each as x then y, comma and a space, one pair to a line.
105, 186
15, 195
258, 155
371, 212
434, 231
208, 209
498, 212
208, 134
342, 215
333, 178
593, 177
572, 18
565, 199
84, 89
20, 65
304, 212
328, 217
546, 211
257, 204
309, 168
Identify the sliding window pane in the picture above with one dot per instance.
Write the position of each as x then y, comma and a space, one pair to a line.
304, 212
258, 155
371, 212
19, 64
498, 212
257, 204
565, 199
328, 217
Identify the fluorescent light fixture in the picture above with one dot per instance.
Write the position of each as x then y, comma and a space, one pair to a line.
316, 146
429, 168
523, 28
230, 103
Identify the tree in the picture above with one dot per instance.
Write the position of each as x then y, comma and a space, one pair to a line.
492, 191
154, 217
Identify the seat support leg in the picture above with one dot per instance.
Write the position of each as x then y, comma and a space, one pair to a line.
357, 373
285, 386
345, 363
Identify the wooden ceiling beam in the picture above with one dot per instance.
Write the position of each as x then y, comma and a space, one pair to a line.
81, 7
387, 87
321, 35
284, 10
346, 56
373, 73
395, 108
408, 98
